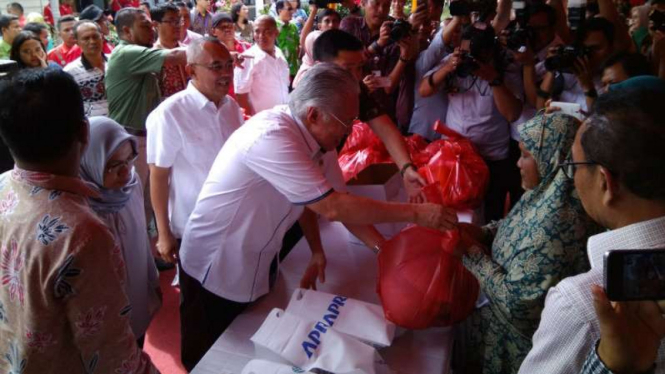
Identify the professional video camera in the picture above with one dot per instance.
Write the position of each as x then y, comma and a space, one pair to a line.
466, 7
399, 30
576, 13
518, 31
7, 69
658, 19
323, 3
565, 57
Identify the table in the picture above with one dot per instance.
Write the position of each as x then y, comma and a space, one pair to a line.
351, 272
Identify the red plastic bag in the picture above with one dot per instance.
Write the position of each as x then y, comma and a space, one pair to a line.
421, 283
457, 175
361, 149
415, 145
354, 162
361, 137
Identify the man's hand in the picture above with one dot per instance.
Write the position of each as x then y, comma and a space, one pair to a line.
384, 34
167, 246
414, 183
435, 216
583, 73
315, 270
486, 72
419, 16
526, 58
630, 333
408, 48
239, 59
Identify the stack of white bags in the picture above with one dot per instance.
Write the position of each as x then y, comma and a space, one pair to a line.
322, 333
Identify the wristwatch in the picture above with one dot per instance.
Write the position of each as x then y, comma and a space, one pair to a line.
592, 93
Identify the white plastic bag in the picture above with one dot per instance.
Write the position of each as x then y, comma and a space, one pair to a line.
269, 367
357, 318
312, 344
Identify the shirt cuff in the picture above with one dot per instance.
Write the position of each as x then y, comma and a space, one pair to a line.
593, 364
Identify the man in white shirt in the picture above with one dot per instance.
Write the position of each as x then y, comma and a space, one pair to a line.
617, 166
185, 133
278, 168
264, 80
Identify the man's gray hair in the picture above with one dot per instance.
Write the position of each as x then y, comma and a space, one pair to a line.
195, 48
325, 86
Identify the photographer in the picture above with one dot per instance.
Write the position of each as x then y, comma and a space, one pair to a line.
480, 105
574, 72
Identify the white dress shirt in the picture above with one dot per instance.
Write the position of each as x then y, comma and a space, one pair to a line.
569, 328
260, 182
264, 78
185, 133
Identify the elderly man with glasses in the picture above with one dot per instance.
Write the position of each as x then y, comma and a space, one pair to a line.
278, 168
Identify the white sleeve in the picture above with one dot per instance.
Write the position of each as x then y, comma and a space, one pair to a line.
563, 339
163, 139
288, 167
242, 78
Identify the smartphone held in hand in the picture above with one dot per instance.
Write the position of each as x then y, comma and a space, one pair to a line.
636, 274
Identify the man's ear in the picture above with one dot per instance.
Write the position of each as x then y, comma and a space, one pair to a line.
609, 185
189, 69
312, 115
84, 135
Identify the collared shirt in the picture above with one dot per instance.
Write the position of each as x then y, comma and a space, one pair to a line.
62, 55
132, 83
173, 77
190, 36
265, 174
473, 113
288, 41
573, 91
5, 49
185, 133
593, 364
200, 24
427, 110
265, 78
91, 82
569, 327
65, 9
107, 48
63, 302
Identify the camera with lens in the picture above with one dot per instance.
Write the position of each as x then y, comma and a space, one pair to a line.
658, 19
323, 3
7, 69
565, 57
399, 30
517, 39
466, 66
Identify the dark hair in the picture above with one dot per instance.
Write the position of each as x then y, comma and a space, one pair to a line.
16, 6
22, 37
328, 45
41, 114
126, 17
6, 20
326, 13
634, 64
180, 4
145, 4
596, 24
67, 18
279, 5
35, 27
537, 8
235, 12
85, 22
625, 134
157, 13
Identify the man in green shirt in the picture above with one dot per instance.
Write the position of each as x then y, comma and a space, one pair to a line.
10, 28
288, 39
132, 72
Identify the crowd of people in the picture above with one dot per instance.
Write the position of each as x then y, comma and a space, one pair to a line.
205, 139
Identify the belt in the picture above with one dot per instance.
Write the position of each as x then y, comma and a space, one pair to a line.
136, 132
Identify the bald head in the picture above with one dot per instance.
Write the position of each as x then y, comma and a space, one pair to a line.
265, 33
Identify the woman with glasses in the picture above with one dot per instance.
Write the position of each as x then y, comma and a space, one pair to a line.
541, 241
108, 164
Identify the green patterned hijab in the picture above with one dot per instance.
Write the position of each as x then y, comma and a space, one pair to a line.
548, 226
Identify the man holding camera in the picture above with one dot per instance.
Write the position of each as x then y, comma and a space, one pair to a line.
617, 167
481, 104
574, 72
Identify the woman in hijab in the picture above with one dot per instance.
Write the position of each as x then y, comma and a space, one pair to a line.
108, 163
307, 59
540, 242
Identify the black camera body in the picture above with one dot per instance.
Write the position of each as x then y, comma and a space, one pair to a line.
658, 19
565, 57
7, 69
323, 3
467, 65
399, 30
518, 39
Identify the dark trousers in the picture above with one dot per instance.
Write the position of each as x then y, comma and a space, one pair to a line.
504, 178
203, 318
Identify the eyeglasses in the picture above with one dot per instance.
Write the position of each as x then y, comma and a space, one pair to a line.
346, 127
569, 167
114, 166
218, 66
174, 22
